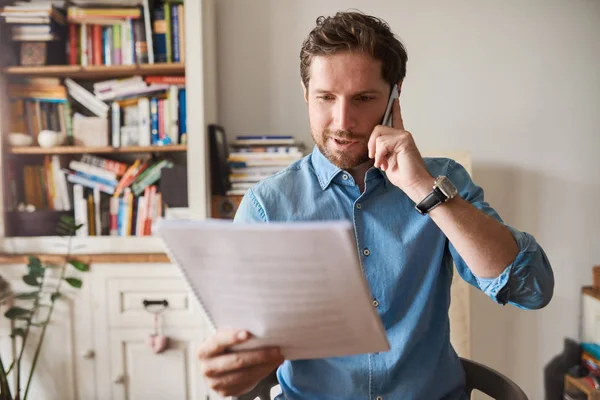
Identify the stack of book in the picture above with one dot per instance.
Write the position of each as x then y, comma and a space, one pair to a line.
38, 104
134, 201
103, 34
44, 186
143, 112
254, 158
34, 22
108, 197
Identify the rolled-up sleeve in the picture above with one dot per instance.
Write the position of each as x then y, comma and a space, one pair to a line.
528, 282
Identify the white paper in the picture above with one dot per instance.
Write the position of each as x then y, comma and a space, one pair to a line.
294, 285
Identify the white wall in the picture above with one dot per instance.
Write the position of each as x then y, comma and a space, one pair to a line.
515, 82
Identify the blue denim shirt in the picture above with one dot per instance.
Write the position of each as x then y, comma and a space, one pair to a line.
409, 269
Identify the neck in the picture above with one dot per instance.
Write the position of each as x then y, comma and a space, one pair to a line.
359, 172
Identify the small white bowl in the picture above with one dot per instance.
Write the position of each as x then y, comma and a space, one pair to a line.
18, 139
48, 138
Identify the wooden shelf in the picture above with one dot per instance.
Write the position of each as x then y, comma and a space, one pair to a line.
90, 258
97, 71
83, 245
579, 384
98, 150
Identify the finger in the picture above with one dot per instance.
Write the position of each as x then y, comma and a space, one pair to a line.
238, 360
390, 163
397, 121
241, 381
381, 151
221, 341
371, 145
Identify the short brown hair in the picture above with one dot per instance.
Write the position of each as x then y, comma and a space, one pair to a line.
355, 31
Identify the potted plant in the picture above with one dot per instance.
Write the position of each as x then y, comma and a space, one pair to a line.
34, 311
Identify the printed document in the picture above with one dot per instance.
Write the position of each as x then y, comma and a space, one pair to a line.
296, 285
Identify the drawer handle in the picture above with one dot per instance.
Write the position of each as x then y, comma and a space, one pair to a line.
148, 303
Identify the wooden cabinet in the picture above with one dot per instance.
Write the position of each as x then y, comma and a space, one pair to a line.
97, 344
139, 374
125, 365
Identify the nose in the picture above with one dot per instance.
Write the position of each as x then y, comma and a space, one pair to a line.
343, 117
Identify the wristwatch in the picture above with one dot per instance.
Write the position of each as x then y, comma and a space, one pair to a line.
443, 190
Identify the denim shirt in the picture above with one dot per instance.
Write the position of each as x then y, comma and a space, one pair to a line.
409, 268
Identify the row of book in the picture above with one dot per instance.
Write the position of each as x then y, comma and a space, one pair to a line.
104, 34
125, 36
125, 216
45, 186
254, 158
124, 196
143, 112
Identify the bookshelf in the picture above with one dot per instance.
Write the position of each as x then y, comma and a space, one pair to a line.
96, 71
200, 88
98, 150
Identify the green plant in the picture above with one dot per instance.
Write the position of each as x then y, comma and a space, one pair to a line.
36, 312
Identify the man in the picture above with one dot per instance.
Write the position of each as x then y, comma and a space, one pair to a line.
408, 234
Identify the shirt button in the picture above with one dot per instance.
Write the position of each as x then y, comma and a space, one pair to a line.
379, 398
358, 206
375, 302
366, 252
345, 177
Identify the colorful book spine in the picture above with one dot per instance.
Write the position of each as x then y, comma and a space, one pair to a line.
167, 8
108, 42
154, 123
73, 54
160, 34
116, 125
175, 32
117, 44
83, 45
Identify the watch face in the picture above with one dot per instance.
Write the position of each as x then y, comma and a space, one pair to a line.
444, 184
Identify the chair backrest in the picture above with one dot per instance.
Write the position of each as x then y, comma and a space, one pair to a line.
478, 377
490, 382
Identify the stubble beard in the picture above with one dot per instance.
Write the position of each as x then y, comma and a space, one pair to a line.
343, 160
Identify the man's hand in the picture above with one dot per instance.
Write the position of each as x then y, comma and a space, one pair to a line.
235, 373
395, 153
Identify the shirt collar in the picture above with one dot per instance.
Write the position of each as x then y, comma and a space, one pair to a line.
326, 171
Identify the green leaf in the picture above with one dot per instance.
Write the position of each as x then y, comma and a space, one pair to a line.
75, 282
31, 280
17, 313
67, 220
18, 332
55, 296
80, 266
27, 295
35, 266
34, 262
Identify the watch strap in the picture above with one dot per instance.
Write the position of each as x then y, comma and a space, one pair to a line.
433, 199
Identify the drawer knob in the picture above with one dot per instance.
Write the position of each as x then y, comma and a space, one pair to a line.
90, 354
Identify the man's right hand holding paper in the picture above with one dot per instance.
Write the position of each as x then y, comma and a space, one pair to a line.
233, 373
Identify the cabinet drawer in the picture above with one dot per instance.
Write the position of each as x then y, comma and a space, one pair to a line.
126, 302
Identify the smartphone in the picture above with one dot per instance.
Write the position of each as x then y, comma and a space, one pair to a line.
387, 117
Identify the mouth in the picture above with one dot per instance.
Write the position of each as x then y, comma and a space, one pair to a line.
343, 143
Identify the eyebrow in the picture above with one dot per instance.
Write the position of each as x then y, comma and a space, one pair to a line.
362, 92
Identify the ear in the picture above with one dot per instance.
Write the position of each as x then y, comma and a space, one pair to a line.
400, 86
305, 90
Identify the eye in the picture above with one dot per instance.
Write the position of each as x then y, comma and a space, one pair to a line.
325, 97
364, 98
